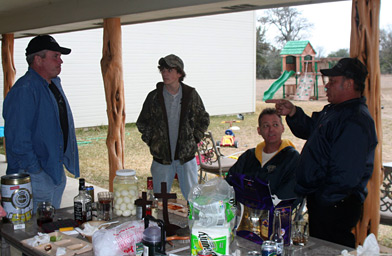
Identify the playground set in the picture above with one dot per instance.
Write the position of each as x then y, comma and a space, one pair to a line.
298, 59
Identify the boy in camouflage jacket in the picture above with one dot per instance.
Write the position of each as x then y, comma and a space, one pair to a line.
172, 121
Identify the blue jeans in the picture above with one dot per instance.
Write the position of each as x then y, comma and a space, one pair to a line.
187, 175
44, 190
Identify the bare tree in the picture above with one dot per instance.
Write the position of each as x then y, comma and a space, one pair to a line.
289, 23
386, 50
320, 52
267, 57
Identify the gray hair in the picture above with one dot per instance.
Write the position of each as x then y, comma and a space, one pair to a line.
30, 58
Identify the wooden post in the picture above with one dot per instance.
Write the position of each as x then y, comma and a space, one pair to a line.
364, 45
9, 71
7, 55
112, 72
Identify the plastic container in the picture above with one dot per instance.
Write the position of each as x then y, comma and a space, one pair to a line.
151, 241
126, 191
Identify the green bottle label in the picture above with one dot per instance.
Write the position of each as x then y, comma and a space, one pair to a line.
203, 241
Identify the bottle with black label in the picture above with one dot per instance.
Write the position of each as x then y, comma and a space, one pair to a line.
82, 204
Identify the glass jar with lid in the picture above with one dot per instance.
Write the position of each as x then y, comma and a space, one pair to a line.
126, 191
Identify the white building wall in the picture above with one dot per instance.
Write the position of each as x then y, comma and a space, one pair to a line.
218, 52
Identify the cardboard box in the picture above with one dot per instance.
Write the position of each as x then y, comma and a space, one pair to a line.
256, 219
215, 238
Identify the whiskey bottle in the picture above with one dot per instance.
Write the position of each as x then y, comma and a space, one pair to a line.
276, 235
82, 204
151, 209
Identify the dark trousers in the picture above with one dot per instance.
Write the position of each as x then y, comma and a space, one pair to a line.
334, 223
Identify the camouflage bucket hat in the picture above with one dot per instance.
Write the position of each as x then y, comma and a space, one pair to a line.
172, 61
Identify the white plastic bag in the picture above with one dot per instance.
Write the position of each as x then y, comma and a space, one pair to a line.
370, 246
120, 240
211, 203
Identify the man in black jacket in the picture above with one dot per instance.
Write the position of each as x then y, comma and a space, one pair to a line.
173, 120
337, 159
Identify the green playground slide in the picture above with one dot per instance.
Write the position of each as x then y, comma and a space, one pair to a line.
269, 94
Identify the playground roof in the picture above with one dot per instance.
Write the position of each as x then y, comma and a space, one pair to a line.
294, 47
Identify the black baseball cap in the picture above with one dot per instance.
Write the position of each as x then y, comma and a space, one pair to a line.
45, 42
348, 67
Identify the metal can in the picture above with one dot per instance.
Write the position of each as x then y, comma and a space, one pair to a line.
17, 197
139, 212
90, 191
204, 253
268, 248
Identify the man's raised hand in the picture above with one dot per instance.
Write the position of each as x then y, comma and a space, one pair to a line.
283, 107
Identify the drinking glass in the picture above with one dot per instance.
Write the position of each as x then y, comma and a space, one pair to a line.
300, 233
45, 213
105, 206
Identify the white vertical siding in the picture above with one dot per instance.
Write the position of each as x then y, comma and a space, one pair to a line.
218, 52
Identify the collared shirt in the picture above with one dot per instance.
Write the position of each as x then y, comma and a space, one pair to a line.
33, 130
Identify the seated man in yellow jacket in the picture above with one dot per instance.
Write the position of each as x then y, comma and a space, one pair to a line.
273, 160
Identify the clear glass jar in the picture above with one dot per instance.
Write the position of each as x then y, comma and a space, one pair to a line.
126, 191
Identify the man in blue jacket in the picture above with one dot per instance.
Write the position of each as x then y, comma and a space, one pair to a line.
337, 159
39, 128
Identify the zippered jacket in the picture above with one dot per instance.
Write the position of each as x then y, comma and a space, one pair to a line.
153, 125
279, 171
337, 158
34, 139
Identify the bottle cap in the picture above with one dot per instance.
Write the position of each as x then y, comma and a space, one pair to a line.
125, 172
152, 235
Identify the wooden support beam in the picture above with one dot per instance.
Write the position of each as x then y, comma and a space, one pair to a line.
112, 72
364, 45
7, 58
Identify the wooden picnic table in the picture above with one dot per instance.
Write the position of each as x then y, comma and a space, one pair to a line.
239, 246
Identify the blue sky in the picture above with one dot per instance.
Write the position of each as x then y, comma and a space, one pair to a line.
332, 24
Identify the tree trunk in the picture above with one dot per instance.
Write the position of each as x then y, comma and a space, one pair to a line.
9, 71
7, 54
365, 46
112, 72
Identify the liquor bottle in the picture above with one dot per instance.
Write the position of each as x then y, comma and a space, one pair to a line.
82, 204
153, 208
276, 235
